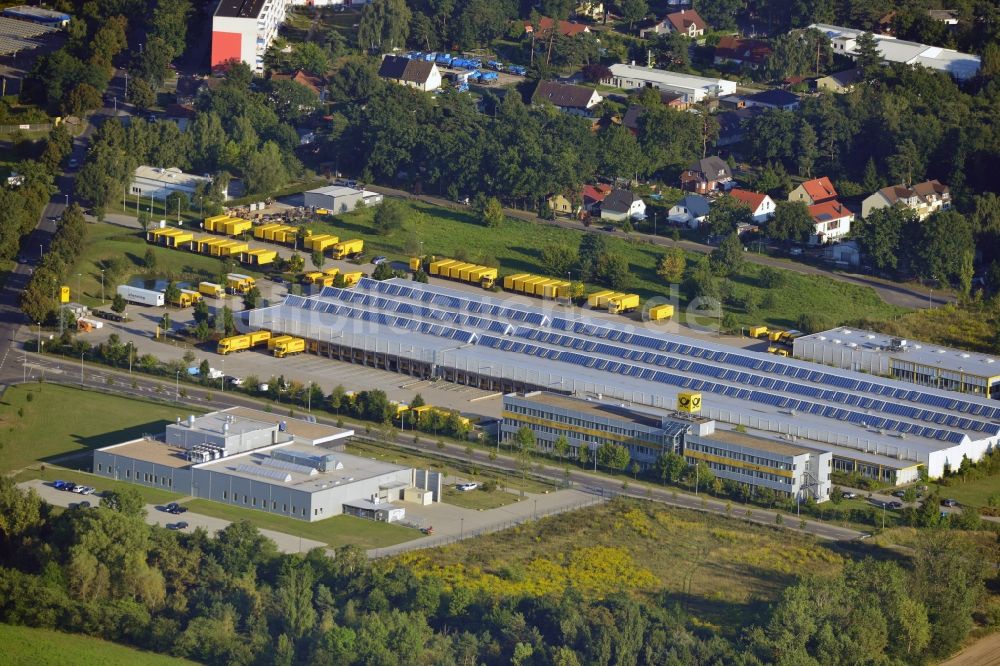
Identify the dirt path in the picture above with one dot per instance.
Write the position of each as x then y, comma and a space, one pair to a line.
984, 652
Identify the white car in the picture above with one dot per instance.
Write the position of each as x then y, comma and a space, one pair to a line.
465, 487
87, 490
236, 381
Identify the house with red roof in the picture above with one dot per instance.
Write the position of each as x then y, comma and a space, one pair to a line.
546, 24
736, 51
592, 195
686, 22
814, 191
831, 220
761, 205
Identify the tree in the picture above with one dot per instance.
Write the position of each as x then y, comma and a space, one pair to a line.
172, 293
525, 443
806, 150
388, 216
384, 25
613, 456
620, 154
318, 258
383, 271
141, 94
265, 171
633, 11
726, 214
561, 446
791, 223
728, 257
149, 259
701, 281
592, 247
669, 467
867, 59
671, 265
880, 235
118, 304
252, 298
614, 270
491, 212
558, 259
228, 323
127, 501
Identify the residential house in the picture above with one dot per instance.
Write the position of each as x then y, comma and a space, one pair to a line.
564, 28
686, 22
419, 74
831, 220
692, 210
593, 195
732, 125
623, 205
846, 254
560, 204
814, 191
576, 100
591, 9
314, 83
839, 82
924, 199
947, 16
706, 175
751, 53
630, 120
761, 205
773, 99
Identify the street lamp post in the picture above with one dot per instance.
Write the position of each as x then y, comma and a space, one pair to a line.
131, 351
38, 347
102, 286
177, 386
81, 368
67, 201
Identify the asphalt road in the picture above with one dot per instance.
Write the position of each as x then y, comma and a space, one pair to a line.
103, 378
895, 294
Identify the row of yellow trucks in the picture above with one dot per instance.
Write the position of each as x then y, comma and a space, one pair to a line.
211, 246
613, 301
463, 271
284, 234
329, 276
779, 342
279, 345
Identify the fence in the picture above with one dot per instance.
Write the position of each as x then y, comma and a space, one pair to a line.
445, 539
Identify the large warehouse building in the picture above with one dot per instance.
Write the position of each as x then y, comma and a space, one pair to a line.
921, 363
692, 88
882, 428
261, 461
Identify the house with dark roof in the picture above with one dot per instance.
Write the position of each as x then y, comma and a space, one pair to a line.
623, 205
732, 125
814, 191
564, 28
839, 82
630, 120
692, 210
752, 53
577, 100
419, 74
831, 220
761, 205
924, 199
706, 175
772, 99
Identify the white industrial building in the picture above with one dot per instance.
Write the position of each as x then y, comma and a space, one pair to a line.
158, 183
244, 29
340, 199
693, 88
261, 461
958, 65
883, 428
913, 361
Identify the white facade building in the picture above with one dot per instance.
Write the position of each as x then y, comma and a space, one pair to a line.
157, 183
244, 29
693, 88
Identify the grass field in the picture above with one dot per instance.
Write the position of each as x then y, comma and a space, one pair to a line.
724, 571
106, 241
971, 493
398, 456
517, 246
44, 647
479, 498
56, 420
336, 531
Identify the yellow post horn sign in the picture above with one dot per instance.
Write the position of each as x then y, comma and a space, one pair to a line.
689, 402
64, 294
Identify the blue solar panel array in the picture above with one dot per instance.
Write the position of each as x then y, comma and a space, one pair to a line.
750, 395
728, 375
775, 367
383, 319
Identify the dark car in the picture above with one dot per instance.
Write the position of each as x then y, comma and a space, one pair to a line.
949, 503
83, 505
169, 508
58, 485
608, 227
899, 493
177, 510
895, 505
177, 526
69, 486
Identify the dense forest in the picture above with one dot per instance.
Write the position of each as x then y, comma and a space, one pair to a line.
235, 600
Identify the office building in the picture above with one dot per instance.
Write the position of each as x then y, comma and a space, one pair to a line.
156, 183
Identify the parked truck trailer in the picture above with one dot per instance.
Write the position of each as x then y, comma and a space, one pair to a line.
140, 296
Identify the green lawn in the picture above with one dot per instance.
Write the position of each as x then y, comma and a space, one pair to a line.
517, 246
336, 531
971, 493
479, 499
106, 241
56, 420
44, 647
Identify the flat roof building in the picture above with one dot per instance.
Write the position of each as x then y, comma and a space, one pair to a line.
158, 183
756, 461
261, 461
244, 29
38, 15
921, 363
693, 88
512, 345
961, 66
340, 199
